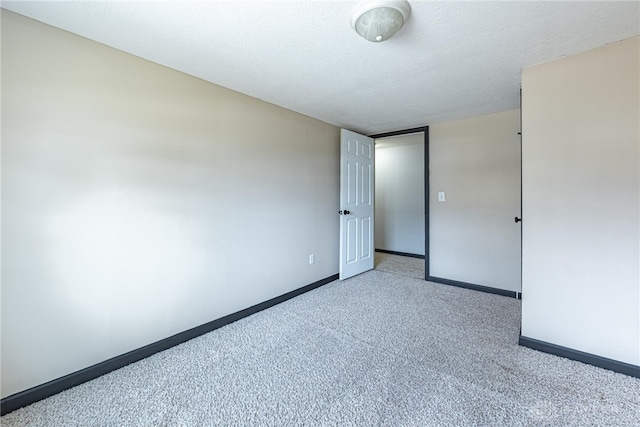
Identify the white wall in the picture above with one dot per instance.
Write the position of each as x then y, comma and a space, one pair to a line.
139, 202
400, 193
473, 236
581, 202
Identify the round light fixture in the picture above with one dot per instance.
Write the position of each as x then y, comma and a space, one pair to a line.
378, 20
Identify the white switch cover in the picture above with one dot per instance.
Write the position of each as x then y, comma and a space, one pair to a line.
441, 196
312, 259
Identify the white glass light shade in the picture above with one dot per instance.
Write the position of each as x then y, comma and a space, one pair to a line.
378, 20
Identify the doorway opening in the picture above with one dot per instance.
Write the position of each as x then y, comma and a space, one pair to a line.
401, 195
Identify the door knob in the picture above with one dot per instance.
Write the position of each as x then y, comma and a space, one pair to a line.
517, 220
344, 212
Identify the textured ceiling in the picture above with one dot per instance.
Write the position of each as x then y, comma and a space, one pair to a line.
451, 60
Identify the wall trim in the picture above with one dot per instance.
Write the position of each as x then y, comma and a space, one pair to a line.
34, 394
385, 251
580, 356
487, 289
427, 236
400, 132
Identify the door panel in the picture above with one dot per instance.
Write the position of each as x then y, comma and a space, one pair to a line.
356, 203
366, 235
352, 235
352, 184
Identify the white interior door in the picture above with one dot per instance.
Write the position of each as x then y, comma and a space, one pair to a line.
356, 203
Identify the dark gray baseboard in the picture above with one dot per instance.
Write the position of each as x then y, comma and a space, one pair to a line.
385, 251
32, 395
580, 356
480, 288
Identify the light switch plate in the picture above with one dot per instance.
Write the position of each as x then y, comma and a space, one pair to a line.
441, 196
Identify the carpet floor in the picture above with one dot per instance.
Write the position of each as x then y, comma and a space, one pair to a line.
379, 349
405, 266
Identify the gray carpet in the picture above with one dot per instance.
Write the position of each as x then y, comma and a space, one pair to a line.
378, 349
406, 266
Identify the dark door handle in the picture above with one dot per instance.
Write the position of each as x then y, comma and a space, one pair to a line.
517, 219
344, 212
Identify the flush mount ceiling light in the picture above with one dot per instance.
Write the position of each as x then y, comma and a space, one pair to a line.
378, 20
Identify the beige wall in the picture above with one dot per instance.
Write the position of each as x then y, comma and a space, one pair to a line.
138, 202
400, 193
581, 189
473, 236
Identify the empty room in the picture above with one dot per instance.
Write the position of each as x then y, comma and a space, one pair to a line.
379, 212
